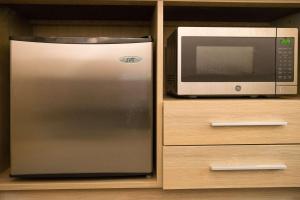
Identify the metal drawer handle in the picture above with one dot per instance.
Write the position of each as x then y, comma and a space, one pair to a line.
247, 167
229, 124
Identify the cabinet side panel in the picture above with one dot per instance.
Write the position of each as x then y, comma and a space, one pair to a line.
10, 24
4, 90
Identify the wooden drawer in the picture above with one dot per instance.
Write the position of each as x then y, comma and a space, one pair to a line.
189, 122
237, 166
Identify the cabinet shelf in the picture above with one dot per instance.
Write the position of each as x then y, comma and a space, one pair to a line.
8, 183
227, 14
84, 12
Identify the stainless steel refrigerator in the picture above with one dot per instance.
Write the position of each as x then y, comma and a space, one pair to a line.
81, 106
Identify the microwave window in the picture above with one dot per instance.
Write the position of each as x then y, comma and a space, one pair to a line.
227, 59
224, 60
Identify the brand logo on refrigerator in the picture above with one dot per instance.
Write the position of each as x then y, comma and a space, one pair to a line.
130, 59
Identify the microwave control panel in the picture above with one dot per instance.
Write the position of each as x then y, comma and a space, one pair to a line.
285, 59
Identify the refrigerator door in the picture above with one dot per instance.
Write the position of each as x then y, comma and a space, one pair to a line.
81, 109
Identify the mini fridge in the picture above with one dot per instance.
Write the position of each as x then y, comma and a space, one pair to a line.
81, 106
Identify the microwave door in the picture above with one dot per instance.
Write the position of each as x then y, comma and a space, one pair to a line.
228, 65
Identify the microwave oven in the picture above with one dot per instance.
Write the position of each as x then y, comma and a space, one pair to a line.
232, 61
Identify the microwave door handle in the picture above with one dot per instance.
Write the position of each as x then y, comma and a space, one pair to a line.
237, 124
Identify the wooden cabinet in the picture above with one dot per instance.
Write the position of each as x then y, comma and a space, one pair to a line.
233, 166
192, 143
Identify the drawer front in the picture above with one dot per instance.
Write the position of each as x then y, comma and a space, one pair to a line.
202, 122
237, 166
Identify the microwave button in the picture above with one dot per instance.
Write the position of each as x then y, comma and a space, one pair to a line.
238, 88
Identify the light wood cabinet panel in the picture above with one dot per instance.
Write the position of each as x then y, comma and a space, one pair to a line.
12, 184
155, 194
237, 166
189, 122
157, 27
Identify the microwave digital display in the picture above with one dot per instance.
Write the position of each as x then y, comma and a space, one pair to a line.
224, 60
285, 42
